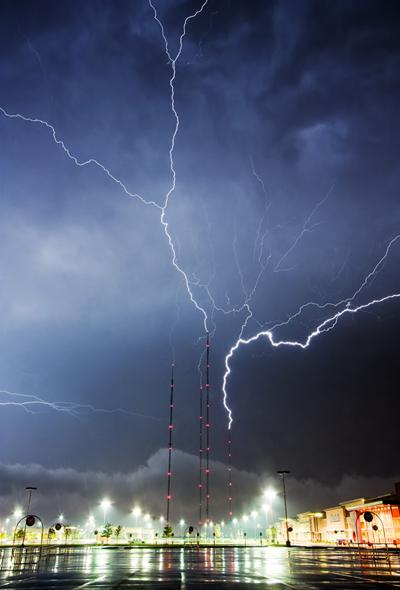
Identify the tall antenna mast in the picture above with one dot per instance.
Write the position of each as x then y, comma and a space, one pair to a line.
170, 429
230, 511
207, 470
201, 455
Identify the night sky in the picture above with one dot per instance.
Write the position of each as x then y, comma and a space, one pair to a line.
287, 191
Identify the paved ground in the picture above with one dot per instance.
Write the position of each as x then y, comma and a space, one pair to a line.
191, 568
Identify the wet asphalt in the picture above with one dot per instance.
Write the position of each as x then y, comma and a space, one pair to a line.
192, 568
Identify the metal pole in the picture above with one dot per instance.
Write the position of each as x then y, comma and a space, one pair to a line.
207, 427
284, 472
29, 489
201, 456
170, 428
230, 511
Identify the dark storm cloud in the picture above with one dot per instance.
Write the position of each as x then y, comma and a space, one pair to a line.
305, 92
76, 492
79, 493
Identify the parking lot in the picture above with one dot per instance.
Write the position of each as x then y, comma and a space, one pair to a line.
192, 567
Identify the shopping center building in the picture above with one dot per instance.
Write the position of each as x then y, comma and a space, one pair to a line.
370, 521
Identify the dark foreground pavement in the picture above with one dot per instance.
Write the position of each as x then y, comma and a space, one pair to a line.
192, 568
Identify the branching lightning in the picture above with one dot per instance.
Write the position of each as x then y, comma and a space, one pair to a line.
92, 161
32, 403
325, 326
75, 159
347, 306
306, 228
71, 407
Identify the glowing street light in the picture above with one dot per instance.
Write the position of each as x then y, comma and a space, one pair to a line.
181, 523
105, 504
137, 511
268, 512
60, 517
270, 494
254, 515
234, 522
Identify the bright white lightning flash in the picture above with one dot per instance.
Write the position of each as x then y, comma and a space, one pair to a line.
325, 326
70, 406
92, 161
31, 403
173, 61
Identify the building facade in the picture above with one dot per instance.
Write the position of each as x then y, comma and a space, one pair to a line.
367, 521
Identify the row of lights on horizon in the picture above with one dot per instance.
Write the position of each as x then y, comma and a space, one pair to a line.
137, 512
269, 495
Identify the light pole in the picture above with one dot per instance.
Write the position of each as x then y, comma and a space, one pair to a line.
282, 473
254, 515
105, 505
234, 522
29, 489
137, 511
270, 495
161, 525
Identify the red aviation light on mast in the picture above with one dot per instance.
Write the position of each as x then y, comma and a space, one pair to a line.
207, 387
170, 429
200, 484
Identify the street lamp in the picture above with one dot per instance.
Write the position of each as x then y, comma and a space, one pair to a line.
270, 494
137, 511
254, 515
105, 504
267, 510
282, 473
234, 522
29, 489
181, 522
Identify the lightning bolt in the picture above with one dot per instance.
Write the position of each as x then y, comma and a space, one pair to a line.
163, 219
348, 300
306, 228
260, 236
94, 162
29, 402
325, 326
75, 159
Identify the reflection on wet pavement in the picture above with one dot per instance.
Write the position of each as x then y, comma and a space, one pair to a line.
191, 568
